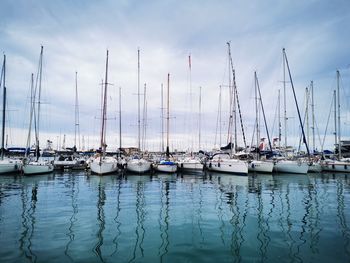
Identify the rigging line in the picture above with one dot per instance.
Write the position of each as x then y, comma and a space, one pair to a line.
329, 116
263, 111
236, 96
217, 122
238, 104
296, 103
306, 100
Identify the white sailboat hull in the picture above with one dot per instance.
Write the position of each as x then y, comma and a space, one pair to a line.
166, 168
336, 166
260, 166
138, 166
37, 168
65, 164
233, 166
287, 166
190, 165
104, 166
10, 166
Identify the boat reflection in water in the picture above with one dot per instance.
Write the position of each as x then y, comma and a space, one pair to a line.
73, 216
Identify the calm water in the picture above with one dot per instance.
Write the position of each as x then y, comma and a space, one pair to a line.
75, 217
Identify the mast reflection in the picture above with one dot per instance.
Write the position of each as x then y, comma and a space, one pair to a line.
164, 220
74, 196
101, 219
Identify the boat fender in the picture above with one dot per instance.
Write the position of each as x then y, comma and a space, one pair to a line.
253, 165
333, 166
16, 167
345, 167
182, 165
299, 163
218, 164
209, 165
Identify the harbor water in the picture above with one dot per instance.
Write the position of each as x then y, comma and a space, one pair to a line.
77, 217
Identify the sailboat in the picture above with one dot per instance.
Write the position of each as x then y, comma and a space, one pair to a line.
339, 165
282, 165
7, 165
314, 162
224, 161
167, 165
259, 165
191, 162
138, 164
102, 164
36, 166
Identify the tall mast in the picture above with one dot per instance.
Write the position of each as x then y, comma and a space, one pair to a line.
263, 111
162, 117
230, 124
279, 120
120, 119
3, 75
104, 111
335, 117
39, 102
31, 113
256, 114
296, 104
77, 129
144, 118
284, 99
307, 92
339, 131
220, 105
167, 118
313, 116
191, 98
138, 101
199, 118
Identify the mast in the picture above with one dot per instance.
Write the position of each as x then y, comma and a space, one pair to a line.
167, 119
230, 124
339, 131
313, 116
120, 119
138, 101
199, 118
296, 104
220, 104
104, 112
256, 115
162, 117
3, 75
144, 118
76, 126
279, 120
191, 106
39, 103
284, 99
307, 93
263, 111
335, 118
31, 114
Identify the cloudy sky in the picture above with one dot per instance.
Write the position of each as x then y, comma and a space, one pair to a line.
76, 35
